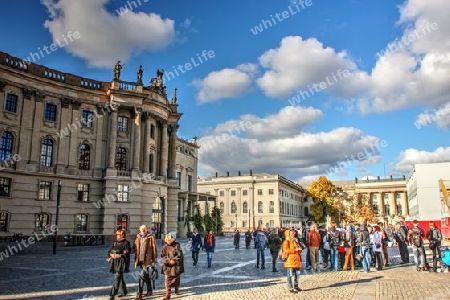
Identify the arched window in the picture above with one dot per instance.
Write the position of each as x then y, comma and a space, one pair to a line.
245, 208
233, 207
222, 207
84, 157
47, 153
121, 159
306, 211
271, 207
260, 207
122, 222
6, 146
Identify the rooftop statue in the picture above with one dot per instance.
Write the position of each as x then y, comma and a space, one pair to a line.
174, 97
140, 72
117, 69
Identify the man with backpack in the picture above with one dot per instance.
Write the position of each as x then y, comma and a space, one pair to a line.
434, 236
261, 244
400, 236
415, 237
334, 239
274, 247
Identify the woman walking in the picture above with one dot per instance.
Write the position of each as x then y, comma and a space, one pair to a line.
378, 247
209, 245
119, 257
173, 265
291, 247
349, 245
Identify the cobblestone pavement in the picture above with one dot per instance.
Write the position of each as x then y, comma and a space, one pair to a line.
81, 272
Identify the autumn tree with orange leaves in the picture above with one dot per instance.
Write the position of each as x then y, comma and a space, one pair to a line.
323, 192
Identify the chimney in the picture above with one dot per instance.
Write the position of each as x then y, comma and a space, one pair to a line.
356, 179
216, 175
228, 174
251, 172
239, 173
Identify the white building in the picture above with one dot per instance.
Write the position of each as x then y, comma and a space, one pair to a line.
261, 200
423, 190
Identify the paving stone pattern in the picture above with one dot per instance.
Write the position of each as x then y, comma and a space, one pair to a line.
82, 273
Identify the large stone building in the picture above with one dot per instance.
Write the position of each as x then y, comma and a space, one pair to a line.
112, 146
260, 200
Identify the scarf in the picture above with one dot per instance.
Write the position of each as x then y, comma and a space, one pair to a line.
209, 240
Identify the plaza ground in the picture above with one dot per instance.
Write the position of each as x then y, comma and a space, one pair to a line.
81, 272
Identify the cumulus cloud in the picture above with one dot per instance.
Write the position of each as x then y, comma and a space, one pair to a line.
409, 157
123, 34
226, 83
293, 153
440, 116
298, 63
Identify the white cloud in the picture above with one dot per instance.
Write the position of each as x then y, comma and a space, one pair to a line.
409, 157
226, 83
298, 63
441, 117
122, 34
293, 153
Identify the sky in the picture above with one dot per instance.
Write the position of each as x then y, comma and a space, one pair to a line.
346, 89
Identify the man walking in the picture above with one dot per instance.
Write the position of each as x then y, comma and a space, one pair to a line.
196, 244
313, 246
145, 258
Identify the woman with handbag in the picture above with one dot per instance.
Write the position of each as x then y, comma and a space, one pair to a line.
173, 265
119, 258
291, 247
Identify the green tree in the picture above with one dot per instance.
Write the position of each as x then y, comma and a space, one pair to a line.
197, 219
322, 191
217, 222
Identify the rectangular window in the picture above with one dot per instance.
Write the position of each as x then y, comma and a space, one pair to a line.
81, 222
244, 224
5, 187
152, 131
221, 193
123, 193
50, 112
189, 183
4, 221
87, 119
45, 190
83, 192
244, 193
11, 103
259, 192
272, 223
178, 179
122, 124
42, 220
233, 193
270, 191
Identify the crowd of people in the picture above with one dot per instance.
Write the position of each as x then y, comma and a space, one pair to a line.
337, 248
344, 247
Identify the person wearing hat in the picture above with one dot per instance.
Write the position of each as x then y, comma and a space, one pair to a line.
173, 265
293, 263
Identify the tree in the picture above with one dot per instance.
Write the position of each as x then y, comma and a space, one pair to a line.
216, 217
322, 192
197, 219
360, 210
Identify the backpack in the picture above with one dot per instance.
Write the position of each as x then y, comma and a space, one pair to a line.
417, 237
335, 237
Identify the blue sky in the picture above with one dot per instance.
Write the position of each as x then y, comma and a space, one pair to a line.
300, 88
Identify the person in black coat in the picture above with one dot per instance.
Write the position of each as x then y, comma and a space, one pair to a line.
119, 258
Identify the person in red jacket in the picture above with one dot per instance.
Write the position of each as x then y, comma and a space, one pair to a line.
313, 245
291, 246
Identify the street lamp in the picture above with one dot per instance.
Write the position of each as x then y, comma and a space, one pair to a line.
236, 221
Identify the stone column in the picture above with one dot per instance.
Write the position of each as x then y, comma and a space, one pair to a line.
112, 139
405, 206
26, 125
381, 199
393, 204
173, 151
137, 140
146, 158
73, 148
164, 150
63, 143
36, 132
100, 148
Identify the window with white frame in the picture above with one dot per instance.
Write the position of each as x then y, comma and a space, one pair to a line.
83, 192
123, 192
81, 222
45, 190
5, 187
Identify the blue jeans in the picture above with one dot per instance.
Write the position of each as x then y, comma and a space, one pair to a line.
366, 260
209, 256
334, 258
260, 253
292, 272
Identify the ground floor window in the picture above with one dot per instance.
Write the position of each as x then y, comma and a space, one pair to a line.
42, 220
4, 220
122, 222
81, 222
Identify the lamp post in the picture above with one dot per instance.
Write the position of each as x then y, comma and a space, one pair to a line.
235, 225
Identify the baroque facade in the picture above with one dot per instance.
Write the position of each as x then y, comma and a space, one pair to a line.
108, 150
261, 200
